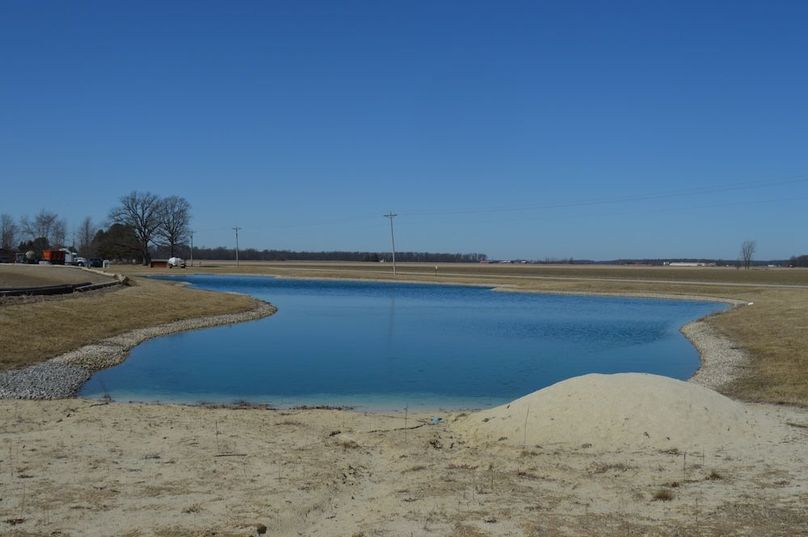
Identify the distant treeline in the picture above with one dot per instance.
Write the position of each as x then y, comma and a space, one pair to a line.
717, 262
799, 261
251, 254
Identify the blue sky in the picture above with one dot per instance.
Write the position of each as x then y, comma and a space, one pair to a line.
518, 129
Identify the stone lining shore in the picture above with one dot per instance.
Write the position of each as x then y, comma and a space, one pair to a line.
722, 361
64, 375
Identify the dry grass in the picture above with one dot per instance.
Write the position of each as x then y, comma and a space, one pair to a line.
716, 275
37, 329
662, 495
42, 275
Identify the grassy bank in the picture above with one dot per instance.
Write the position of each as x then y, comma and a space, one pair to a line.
35, 329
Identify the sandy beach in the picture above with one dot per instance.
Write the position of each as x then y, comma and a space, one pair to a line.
78, 467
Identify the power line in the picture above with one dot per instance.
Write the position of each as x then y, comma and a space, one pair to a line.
236, 228
392, 215
620, 199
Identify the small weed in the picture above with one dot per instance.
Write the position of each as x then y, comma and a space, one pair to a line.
416, 468
289, 422
453, 466
662, 495
714, 476
193, 508
602, 467
349, 444
527, 475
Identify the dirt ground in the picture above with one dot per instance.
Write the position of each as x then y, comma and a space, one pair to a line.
83, 468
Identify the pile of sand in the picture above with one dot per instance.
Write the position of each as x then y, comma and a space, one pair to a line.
616, 411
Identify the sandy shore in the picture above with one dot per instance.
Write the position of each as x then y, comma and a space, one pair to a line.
75, 467
80, 468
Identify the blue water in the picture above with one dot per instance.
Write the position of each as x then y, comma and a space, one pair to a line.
385, 345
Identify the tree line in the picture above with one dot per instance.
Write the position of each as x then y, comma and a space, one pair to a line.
144, 225
798, 261
252, 254
139, 224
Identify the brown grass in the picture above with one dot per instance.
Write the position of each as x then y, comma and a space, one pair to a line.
662, 495
38, 329
42, 275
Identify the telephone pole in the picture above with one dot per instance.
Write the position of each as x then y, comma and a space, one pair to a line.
192, 248
236, 228
392, 215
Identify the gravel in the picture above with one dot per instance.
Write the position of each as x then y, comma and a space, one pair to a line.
722, 361
48, 380
64, 375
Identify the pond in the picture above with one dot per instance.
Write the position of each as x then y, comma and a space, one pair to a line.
377, 345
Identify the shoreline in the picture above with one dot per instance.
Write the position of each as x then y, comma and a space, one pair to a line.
62, 376
720, 358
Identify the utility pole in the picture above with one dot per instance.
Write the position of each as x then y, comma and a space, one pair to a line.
236, 228
392, 215
192, 248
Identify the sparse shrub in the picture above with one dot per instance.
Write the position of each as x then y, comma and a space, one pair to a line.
602, 468
662, 495
416, 468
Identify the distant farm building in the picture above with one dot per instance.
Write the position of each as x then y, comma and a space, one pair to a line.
688, 264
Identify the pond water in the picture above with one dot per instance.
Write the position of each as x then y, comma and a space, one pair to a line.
380, 345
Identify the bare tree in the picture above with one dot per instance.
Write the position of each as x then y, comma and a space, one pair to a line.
58, 236
175, 216
140, 211
45, 224
8, 231
86, 233
747, 252
40, 226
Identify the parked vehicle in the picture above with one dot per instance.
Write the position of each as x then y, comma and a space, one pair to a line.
174, 262
95, 262
53, 257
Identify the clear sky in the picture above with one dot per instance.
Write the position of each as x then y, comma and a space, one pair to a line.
519, 129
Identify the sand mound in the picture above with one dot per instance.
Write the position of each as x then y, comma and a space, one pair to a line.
616, 411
